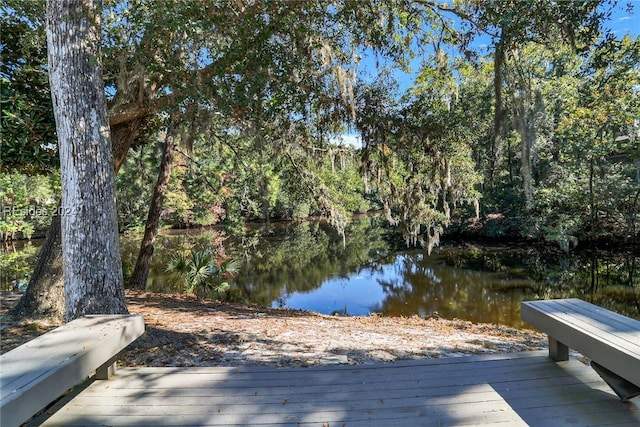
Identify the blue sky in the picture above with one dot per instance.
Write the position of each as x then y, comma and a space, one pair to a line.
626, 23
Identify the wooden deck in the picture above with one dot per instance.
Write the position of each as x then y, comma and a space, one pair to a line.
509, 390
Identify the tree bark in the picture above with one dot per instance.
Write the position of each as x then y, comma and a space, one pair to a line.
91, 264
592, 201
499, 112
44, 296
526, 130
141, 269
123, 136
528, 107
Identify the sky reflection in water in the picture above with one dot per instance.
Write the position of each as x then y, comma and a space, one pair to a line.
307, 266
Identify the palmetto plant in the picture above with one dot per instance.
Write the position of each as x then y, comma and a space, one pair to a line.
200, 272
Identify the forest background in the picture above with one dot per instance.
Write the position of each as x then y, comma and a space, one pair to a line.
522, 118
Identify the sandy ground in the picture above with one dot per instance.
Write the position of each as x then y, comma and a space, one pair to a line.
182, 330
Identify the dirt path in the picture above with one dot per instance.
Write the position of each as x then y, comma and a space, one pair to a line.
185, 331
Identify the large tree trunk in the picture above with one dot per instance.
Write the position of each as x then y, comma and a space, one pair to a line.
44, 296
141, 270
90, 249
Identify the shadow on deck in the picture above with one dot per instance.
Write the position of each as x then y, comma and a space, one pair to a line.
507, 389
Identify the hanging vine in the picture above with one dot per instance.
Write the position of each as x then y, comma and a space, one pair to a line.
416, 159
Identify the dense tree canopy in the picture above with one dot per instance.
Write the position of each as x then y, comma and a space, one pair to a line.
28, 133
535, 134
282, 77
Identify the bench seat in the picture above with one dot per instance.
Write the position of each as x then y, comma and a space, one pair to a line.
41, 370
609, 339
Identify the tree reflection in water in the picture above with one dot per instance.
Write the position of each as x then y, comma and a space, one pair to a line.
307, 266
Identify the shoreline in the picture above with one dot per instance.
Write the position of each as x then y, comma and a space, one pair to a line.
182, 330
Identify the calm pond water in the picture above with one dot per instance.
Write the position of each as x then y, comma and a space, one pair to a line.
308, 266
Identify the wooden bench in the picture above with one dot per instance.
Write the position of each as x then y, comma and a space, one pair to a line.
610, 340
38, 372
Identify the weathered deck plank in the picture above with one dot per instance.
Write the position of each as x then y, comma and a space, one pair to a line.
510, 389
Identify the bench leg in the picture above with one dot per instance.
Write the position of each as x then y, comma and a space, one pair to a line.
107, 370
557, 350
623, 388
